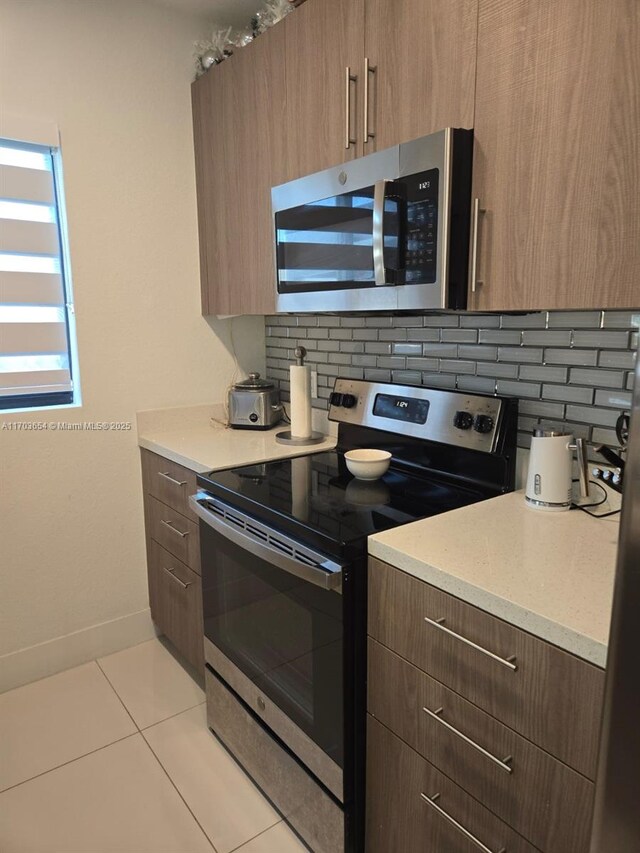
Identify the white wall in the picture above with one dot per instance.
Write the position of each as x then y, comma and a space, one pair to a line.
114, 75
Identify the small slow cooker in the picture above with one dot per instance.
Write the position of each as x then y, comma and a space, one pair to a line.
254, 403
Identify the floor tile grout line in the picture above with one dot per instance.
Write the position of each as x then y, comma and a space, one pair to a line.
238, 849
178, 792
171, 716
130, 715
70, 761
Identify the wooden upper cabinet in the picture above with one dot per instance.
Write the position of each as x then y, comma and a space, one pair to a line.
239, 127
424, 55
323, 39
556, 163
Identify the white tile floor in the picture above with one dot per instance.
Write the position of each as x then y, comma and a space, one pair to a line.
115, 757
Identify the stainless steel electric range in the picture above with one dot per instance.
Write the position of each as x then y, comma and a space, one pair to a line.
284, 579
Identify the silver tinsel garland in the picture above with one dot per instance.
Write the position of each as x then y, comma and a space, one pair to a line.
222, 41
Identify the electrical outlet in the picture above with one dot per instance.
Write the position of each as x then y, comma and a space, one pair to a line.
314, 384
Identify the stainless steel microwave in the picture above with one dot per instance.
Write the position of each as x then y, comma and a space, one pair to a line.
386, 232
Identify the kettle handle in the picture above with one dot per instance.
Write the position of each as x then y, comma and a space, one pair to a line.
580, 446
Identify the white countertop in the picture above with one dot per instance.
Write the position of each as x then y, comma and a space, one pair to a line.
191, 438
550, 574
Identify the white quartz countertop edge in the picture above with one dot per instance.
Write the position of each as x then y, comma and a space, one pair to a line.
559, 635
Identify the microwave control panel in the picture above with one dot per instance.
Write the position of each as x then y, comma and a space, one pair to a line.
421, 250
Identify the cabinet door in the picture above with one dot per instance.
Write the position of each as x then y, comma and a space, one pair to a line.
175, 598
555, 160
424, 53
323, 39
239, 110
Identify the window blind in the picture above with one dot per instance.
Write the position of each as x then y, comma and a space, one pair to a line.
35, 357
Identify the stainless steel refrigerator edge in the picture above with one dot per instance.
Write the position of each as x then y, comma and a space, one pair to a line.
616, 823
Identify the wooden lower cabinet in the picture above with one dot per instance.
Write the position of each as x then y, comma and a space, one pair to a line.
175, 598
539, 796
173, 555
542, 692
500, 724
399, 818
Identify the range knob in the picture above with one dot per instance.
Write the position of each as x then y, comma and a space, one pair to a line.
483, 423
348, 401
336, 398
463, 420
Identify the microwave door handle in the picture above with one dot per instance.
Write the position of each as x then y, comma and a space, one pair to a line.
379, 196
329, 577
381, 192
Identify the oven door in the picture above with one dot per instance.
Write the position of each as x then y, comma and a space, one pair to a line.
273, 625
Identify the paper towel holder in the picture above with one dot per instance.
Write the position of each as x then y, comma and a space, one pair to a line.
285, 436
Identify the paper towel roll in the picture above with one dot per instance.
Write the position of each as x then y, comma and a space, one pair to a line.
300, 378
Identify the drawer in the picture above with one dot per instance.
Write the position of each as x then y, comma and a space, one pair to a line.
400, 820
544, 693
175, 596
547, 802
177, 534
169, 482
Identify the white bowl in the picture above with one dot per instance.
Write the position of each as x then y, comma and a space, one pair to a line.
367, 464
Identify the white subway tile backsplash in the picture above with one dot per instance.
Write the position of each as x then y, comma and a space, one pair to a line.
572, 369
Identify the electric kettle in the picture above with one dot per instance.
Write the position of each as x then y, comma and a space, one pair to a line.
549, 481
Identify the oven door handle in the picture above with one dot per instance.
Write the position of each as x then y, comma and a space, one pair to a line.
326, 574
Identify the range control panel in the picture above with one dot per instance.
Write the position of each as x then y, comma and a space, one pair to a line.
449, 417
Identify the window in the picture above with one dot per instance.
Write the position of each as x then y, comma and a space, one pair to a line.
37, 332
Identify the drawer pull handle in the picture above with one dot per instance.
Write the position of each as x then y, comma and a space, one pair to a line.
432, 802
170, 572
509, 662
503, 764
166, 475
169, 524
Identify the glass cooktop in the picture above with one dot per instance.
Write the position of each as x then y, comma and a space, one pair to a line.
316, 499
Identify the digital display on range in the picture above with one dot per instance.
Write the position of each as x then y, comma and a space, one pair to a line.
401, 408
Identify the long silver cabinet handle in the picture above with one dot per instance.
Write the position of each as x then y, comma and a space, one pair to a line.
175, 530
325, 573
432, 802
165, 474
502, 763
368, 69
473, 266
379, 195
349, 78
170, 572
509, 662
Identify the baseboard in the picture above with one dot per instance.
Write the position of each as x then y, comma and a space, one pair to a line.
34, 662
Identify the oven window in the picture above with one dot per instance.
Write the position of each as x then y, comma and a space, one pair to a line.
328, 244
283, 633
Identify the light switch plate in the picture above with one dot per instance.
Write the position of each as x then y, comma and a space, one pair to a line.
314, 384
